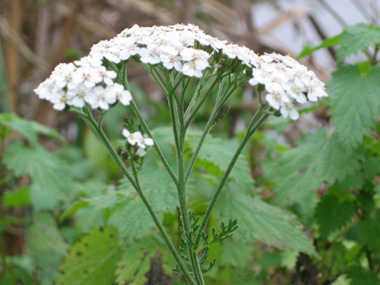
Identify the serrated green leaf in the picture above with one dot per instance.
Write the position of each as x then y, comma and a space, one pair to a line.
258, 220
50, 178
332, 213
317, 158
17, 198
135, 262
369, 232
235, 253
356, 38
46, 247
354, 102
131, 217
307, 50
29, 129
92, 260
220, 152
357, 275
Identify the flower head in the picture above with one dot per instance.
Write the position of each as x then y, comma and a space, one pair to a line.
185, 49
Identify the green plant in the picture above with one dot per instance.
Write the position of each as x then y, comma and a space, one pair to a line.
176, 56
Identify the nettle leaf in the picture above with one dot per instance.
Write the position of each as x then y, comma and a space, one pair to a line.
50, 178
131, 216
46, 247
369, 232
235, 253
354, 102
220, 152
356, 38
358, 275
29, 129
135, 262
342, 209
258, 220
318, 158
92, 260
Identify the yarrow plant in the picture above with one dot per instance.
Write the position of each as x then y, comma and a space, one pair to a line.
175, 56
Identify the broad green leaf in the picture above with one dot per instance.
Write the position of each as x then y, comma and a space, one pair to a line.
29, 129
340, 208
318, 158
17, 198
258, 220
220, 152
369, 232
357, 38
50, 178
357, 275
46, 247
354, 102
131, 217
307, 50
235, 253
135, 262
92, 260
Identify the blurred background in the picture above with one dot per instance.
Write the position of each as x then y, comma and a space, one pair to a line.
36, 35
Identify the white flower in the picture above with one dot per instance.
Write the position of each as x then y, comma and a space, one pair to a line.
197, 61
79, 95
144, 142
132, 138
87, 75
288, 110
59, 99
141, 152
150, 55
101, 97
122, 95
47, 88
89, 61
63, 75
172, 61
277, 99
106, 75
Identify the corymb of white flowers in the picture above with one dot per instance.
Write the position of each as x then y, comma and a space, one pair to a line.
186, 49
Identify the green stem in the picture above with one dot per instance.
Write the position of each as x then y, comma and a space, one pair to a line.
221, 100
200, 102
146, 129
95, 127
179, 133
250, 131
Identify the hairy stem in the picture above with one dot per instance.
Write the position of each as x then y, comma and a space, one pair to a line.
177, 117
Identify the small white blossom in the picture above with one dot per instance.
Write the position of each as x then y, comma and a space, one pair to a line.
141, 152
132, 138
122, 95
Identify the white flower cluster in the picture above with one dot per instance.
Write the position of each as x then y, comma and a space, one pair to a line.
138, 139
84, 81
186, 49
286, 81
